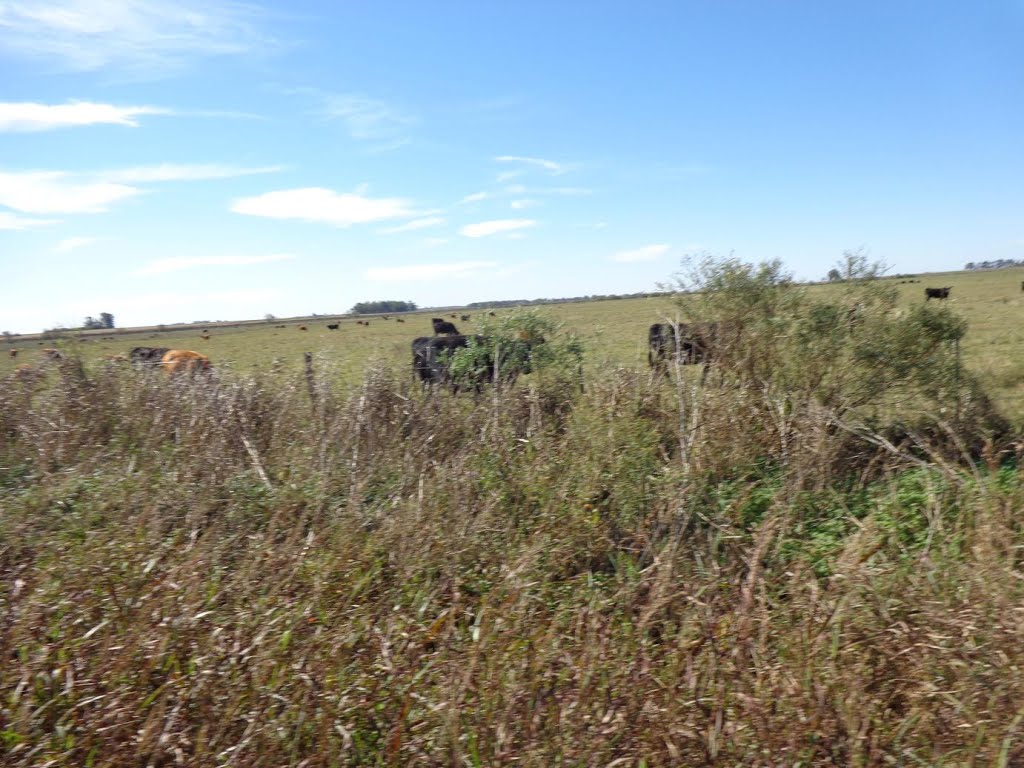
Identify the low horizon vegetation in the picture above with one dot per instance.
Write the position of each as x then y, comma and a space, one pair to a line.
810, 556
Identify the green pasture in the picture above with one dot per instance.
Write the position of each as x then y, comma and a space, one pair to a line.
614, 332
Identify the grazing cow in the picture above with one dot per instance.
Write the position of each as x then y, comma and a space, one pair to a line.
302, 328
442, 326
204, 336
465, 318
399, 320
147, 356
936, 293
690, 344
184, 361
432, 358
13, 353
452, 315
491, 314
332, 326
52, 354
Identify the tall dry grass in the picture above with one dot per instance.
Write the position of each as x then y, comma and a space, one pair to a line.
271, 571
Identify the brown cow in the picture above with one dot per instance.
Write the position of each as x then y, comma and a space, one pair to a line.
52, 354
302, 327
13, 353
185, 361
399, 320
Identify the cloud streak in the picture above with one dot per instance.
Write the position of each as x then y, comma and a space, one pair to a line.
12, 221
69, 244
318, 204
178, 263
172, 172
430, 271
48, 192
28, 117
552, 167
424, 223
496, 226
140, 36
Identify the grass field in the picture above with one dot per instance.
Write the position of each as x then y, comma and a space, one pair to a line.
614, 332
769, 568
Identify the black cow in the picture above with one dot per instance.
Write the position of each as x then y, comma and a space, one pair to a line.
443, 326
936, 293
332, 326
148, 356
432, 358
465, 318
689, 343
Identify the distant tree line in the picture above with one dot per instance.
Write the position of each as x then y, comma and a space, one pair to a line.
594, 297
105, 320
376, 307
994, 264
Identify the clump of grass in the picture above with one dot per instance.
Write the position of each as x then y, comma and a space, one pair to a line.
266, 570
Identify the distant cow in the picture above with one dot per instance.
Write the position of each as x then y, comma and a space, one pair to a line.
399, 320
147, 356
13, 353
52, 354
442, 326
491, 314
204, 336
465, 318
936, 293
332, 326
432, 359
690, 344
302, 328
184, 361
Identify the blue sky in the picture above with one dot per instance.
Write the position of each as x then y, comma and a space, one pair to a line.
179, 160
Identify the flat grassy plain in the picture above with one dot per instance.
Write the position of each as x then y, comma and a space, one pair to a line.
614, 331
226, 570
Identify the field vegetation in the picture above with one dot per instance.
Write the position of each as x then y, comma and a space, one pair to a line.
809, 556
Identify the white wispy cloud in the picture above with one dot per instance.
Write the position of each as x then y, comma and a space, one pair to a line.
379, 125
10, 220
476, 197
424, 223
172, 172
434, 242
646, 253
58, 192
504, 176
69, 244
486, 228
518, 205
137, 36
430, 271
550, 166
27, 116
177, 263
324, 205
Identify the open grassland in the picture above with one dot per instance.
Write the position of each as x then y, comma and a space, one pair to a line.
615, 333
811, 558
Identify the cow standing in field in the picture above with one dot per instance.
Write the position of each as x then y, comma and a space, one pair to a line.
13, 353
690, 344
936, 293
147, 356
332, 326
432, 359
399, 320
302, 328
442, 326
465, 318
184, 361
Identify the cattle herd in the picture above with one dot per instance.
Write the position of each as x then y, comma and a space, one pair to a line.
432, 356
